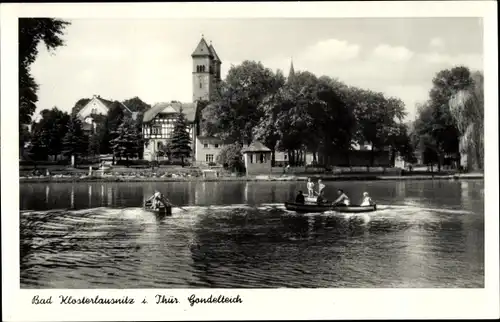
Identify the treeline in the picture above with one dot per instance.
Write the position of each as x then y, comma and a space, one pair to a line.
303, 113
451, 121
59, 134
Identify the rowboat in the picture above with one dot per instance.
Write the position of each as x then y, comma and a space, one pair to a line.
162, 211
298, 207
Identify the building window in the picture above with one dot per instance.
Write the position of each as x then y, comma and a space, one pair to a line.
209, 158
205, 146
251, 158
201, 85
262, 158
94, 111
216, 146
285, 156
156, 130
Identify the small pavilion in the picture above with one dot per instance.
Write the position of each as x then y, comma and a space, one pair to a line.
257, 158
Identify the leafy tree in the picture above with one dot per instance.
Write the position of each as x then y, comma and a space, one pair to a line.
32, 32
237, 99
436, 126
127, 141
135, 104
24, 137
467, 108
231, 157
181, 142
74, 141
79, 105
49, 132
378, 118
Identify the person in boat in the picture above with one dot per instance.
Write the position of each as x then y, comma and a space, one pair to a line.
321, 198
300, 198
321, 187
157, 200
342, 200
310, 188
367, 200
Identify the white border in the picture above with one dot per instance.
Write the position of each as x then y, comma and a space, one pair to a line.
258, 304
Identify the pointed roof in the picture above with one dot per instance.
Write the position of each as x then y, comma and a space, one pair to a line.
188, 109
256, 146
202, 50
214, 53
291, 73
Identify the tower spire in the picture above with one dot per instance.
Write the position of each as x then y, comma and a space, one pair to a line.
291, 73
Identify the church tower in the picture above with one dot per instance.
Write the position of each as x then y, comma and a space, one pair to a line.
206, 71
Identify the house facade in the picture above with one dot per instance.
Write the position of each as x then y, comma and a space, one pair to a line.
158, 126
98, 106
207, 149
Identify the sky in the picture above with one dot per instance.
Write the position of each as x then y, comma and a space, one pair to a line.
122, 58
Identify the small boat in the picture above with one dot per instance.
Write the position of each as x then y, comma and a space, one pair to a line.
165, 209
298, 207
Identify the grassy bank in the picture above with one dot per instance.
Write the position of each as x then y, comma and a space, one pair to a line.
343, 177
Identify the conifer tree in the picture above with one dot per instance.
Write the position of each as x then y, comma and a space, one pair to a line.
181, 142
128, 140
74, 140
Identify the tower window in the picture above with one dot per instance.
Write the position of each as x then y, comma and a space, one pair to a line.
200, 68
201, 85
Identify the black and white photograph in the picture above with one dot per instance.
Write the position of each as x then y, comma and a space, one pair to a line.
229, 152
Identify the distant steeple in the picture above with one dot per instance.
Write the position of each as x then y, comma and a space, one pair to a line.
291, 73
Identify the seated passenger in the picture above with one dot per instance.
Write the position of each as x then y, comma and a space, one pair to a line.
300, 198
342, 200
367, 201
321, 198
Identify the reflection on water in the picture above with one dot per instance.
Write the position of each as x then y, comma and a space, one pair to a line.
233, 234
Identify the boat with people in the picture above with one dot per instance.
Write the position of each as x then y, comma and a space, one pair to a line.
310, 208
318, 203
158, 204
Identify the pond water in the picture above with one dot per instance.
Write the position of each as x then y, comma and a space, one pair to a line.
238, 235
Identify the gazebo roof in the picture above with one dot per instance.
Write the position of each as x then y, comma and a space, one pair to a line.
256, 147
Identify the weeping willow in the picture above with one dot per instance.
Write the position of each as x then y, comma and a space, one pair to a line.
467, 108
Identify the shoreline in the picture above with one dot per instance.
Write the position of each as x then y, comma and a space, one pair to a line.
262, 178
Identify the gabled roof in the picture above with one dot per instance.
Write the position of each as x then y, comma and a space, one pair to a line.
256, 147
202, 49
188, 109
216, 57
109, 103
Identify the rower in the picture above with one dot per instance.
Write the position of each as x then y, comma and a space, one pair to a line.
342, 199
156, 200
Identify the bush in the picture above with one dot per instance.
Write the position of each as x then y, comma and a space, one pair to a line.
212, 164
132, 162
43, 163
174, 162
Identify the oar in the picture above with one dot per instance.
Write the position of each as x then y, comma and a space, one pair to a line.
173, 204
